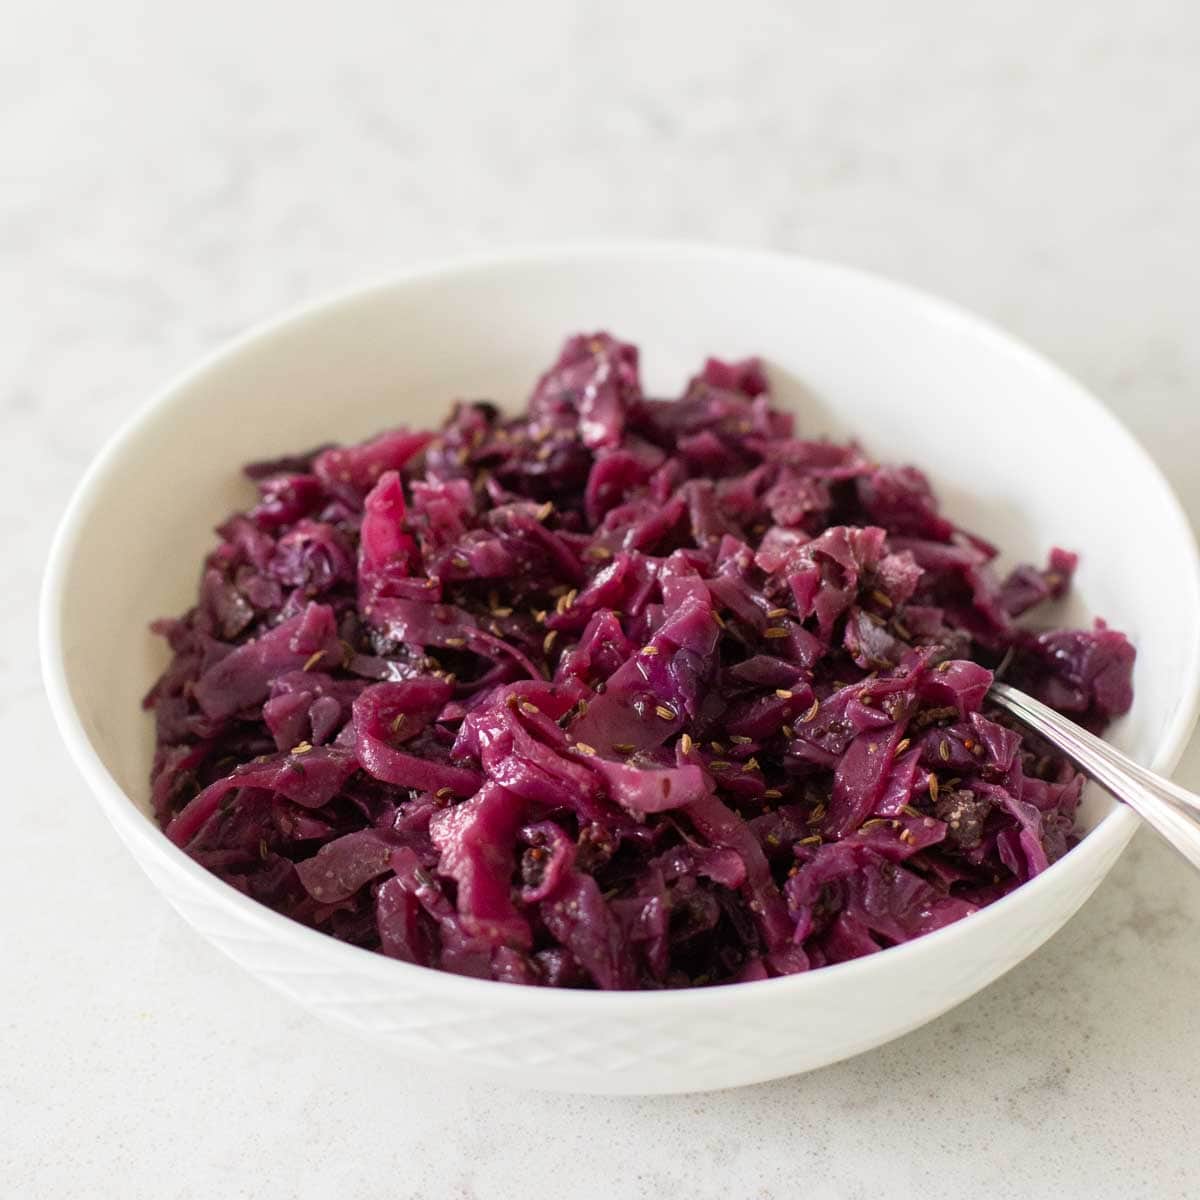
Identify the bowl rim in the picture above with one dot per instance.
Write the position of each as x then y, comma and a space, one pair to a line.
150, 845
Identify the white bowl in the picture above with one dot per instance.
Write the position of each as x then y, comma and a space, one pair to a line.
1017, 450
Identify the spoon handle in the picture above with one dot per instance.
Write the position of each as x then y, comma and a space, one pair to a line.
1173, 811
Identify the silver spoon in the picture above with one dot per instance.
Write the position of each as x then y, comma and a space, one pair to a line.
1168, 808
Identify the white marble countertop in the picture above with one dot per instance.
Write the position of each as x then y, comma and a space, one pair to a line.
169, 176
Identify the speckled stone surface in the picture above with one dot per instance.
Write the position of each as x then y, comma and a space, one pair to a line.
170, 176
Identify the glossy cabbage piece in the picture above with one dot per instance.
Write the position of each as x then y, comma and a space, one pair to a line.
619, 692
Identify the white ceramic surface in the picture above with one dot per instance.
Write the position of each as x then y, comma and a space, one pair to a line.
1014, 446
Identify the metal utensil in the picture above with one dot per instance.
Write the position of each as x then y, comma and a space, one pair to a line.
1173, 811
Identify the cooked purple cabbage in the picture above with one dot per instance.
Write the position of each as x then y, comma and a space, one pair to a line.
618, 693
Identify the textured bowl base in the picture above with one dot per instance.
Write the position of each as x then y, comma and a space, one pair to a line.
619, 1053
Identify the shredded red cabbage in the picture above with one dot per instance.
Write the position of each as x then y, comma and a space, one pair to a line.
618, 693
